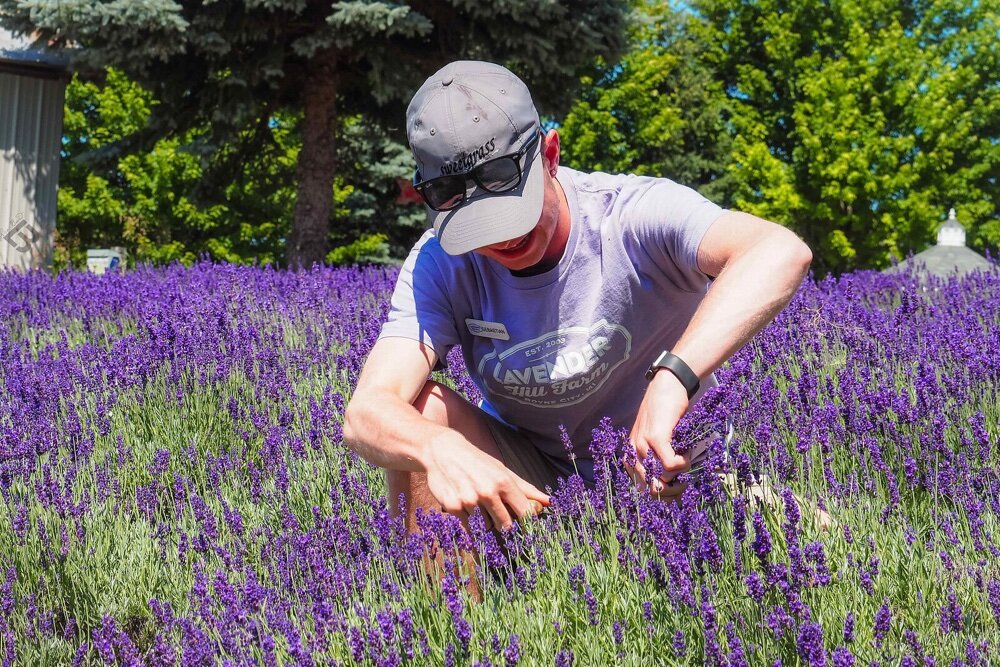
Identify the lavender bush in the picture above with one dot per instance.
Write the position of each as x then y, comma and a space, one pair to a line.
175, 491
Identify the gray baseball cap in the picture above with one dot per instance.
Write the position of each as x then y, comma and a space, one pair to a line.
466, 113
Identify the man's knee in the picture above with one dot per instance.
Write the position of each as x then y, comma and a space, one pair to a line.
436, 403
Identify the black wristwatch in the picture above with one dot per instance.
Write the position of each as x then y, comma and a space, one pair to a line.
675, 365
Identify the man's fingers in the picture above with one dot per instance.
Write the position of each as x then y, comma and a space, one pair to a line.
672, 461
641, 450
655, 486
531, 492
523, 504
638, 475
498, 513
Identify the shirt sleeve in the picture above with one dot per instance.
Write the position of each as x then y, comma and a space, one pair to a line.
669, 221
420, 309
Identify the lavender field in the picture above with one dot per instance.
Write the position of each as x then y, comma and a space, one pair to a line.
176, 491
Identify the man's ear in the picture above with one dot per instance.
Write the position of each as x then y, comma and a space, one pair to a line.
550, 152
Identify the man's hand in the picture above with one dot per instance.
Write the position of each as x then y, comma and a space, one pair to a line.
462, 477
661, 409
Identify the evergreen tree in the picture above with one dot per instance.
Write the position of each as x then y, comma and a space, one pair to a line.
859, 123
232, 65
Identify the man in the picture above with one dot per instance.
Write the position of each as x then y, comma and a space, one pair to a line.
573, 296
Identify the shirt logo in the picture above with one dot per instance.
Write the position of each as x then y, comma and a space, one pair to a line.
559, 368
487, 329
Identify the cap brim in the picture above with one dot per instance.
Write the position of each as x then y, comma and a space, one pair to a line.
493, 217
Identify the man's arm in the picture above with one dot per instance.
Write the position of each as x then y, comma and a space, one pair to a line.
758, 266
380, 422
383, 427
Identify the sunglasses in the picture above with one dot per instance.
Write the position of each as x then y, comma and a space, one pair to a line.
501, 174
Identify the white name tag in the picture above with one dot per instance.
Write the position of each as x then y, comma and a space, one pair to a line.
487, 329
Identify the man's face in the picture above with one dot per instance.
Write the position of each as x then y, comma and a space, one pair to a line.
545, 242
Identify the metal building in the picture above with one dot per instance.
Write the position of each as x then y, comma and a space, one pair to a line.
32, 89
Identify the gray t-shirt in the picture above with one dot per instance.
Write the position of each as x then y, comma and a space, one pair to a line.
568, 346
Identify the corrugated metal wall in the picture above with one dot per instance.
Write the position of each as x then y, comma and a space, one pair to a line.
31, 112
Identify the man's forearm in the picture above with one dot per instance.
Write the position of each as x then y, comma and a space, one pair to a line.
749, 292
388, 432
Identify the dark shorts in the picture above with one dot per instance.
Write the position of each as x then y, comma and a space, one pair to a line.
520, 454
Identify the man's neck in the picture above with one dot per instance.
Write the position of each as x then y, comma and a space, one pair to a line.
557, 248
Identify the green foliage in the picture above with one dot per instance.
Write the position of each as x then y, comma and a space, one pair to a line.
155, 203
226, 71
860, 125
148, 201
369, 249
371, 160
90, 212
659, 111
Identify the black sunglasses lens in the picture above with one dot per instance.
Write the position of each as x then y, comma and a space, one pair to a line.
499, 175
445, 193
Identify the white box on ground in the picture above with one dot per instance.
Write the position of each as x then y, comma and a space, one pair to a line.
101, 260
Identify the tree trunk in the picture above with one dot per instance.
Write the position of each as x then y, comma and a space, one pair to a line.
316, 165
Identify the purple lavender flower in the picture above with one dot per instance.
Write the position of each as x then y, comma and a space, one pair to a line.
7, 593
113, 645
762, 537
593, 609
567, 444
161, 461
463, 631
809, 644
849, 627
842, 657
792, 512
755, 586
739, 518
993, 594
737, 654
512, 654
952, 618
779, 621
883, 622
20, 523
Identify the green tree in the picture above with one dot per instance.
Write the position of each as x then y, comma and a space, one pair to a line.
230, 66
372, 163
149, 200
146, 200
859, 123
658, 111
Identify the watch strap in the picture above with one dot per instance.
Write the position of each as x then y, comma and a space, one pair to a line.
681, 370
